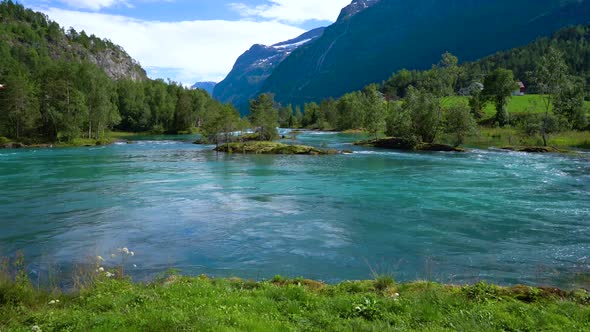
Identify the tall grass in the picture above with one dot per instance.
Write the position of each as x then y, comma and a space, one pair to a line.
176, 303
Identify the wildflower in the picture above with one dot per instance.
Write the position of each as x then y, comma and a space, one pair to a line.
100, 269
109, 275
99, 258
52, 302
35, 328
131, 253
124, 251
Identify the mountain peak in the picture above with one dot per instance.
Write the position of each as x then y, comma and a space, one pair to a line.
356, 7
254, 66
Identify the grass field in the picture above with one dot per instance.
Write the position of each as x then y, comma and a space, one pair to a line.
502, 137
201, 304
517, 104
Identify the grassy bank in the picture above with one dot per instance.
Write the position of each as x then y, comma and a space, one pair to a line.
516, 105
501, 137
109, 138
201, 304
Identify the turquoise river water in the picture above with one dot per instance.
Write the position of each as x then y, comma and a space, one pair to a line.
499, 216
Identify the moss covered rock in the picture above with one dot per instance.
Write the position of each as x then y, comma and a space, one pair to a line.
395, 143
271, 148
535, 149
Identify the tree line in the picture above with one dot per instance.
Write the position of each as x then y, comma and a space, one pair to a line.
415, 104
50, 94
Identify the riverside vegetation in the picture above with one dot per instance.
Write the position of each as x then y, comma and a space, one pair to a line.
107, 300
53, 96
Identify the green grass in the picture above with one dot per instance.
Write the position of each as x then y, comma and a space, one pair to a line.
517, 104
124, 134
501, 137
202, 304
4, 140
86, 142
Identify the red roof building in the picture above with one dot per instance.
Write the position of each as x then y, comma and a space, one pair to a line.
522, 88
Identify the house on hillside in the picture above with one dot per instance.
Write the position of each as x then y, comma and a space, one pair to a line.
521, 89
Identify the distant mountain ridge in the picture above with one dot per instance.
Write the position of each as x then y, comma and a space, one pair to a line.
373, 39
207, 86
254, 66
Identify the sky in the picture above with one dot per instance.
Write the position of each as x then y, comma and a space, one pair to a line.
190, 41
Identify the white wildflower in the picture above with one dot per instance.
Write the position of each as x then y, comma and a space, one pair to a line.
52, 302
56, 301
125, 251
99, 258
109, 275
100, 269
131, 253
35, 328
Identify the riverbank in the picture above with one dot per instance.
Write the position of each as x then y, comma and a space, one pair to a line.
182, 303
501, 137
109, 139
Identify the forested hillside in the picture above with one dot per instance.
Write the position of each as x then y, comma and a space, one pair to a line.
390, 35
62, 85
574, 42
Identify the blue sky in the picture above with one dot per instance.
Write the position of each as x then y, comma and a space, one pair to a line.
190, 41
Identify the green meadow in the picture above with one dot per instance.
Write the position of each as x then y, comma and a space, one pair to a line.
176, 303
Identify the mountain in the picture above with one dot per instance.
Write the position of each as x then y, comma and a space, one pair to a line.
372, 39
32, 39
356, 7
254, 66
207, 86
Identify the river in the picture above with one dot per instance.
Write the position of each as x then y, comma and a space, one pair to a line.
503, 217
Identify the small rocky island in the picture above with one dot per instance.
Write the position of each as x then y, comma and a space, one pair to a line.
535, 149
264, 147
395, 143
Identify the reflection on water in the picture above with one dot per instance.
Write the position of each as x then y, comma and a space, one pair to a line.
504, 217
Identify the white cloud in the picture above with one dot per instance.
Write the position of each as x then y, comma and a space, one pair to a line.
93, 4
293, 11
189, 51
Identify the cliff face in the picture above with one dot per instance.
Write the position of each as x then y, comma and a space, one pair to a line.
118, 65
373, 39
254, 66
